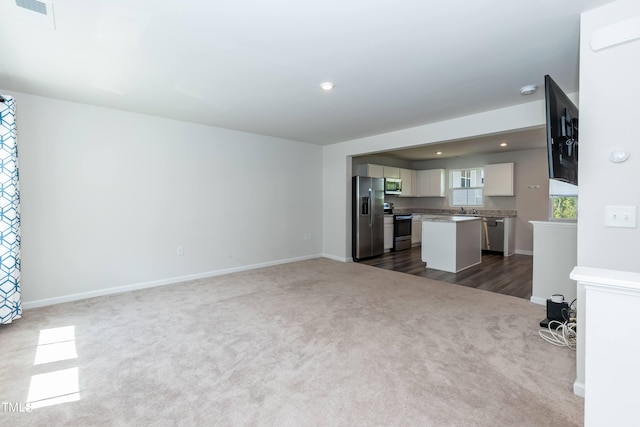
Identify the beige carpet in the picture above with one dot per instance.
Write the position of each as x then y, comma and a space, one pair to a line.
312, 343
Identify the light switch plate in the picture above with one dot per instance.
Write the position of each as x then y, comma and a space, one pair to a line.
621, 216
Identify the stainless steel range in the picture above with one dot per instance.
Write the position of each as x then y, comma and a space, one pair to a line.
402, 232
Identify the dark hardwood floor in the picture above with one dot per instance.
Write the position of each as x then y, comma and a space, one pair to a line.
506, 275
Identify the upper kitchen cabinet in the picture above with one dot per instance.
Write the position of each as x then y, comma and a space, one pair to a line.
372, 171
430, 183
391, 172
409, 178
498, 179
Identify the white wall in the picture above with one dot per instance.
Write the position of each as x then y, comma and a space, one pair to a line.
337, 160
107, 196
609, 111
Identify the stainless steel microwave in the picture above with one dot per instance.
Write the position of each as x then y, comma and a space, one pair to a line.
392, 186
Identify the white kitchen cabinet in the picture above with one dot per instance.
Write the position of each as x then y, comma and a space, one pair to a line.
430, 183
416, 230
371, 170
509, 236
409, 181
388, 232
391, 172
498, 179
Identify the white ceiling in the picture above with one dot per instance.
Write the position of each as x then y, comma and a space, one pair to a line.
256, 66
525, 139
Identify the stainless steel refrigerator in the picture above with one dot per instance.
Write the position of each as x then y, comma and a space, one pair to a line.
367, 224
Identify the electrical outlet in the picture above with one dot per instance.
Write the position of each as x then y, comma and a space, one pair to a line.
180, 251
621, 216
307, 236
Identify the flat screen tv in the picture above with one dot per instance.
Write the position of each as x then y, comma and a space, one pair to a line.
562, 134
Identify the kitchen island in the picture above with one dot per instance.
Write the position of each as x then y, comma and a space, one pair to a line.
451, 243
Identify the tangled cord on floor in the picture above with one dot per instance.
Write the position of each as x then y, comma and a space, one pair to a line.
560, 334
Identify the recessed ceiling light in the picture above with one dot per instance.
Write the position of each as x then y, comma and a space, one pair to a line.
439, 153
327, 85
528, 90
504, 144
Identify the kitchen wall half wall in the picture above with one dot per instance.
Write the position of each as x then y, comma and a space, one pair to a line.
531, 200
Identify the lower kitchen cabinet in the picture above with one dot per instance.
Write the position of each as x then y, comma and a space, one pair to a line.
509, 236
388, 232
416, 230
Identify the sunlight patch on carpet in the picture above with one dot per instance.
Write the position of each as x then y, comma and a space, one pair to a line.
56, 387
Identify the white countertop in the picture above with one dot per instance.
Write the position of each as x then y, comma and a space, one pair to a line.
453, 218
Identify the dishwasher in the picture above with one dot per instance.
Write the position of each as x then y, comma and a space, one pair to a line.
493, 234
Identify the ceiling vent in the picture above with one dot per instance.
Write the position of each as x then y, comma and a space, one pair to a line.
39, 12
36, 6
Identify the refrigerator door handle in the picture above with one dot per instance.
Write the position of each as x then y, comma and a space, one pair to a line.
370, 210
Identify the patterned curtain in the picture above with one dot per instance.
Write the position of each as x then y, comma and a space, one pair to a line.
10, 306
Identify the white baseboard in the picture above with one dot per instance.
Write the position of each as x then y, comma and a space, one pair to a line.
336, 258
578, 389
538, 300
523, 252
26, 305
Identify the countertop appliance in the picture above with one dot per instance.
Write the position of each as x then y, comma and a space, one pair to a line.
493, 234
388, 208
402, 232
367, 226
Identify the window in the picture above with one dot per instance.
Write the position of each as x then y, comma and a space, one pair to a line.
465, 187
563, 200
564, 207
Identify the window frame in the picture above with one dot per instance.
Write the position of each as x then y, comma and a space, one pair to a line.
552, 207
562, 190
477, 189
